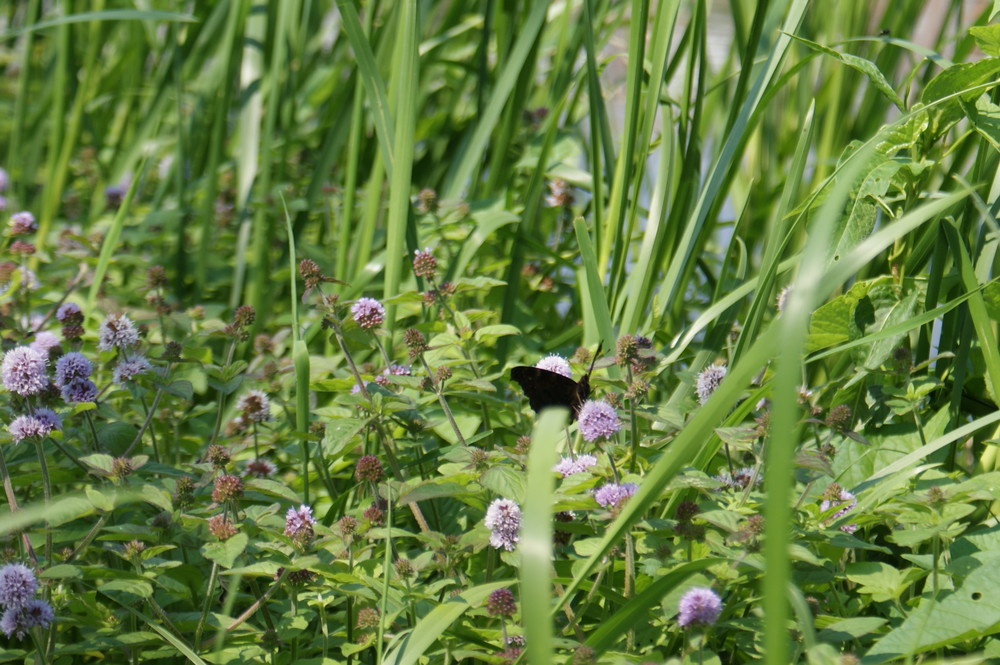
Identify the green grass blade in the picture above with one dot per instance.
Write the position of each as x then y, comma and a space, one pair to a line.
371, 80
535, 545
471, 153
595, 289
404, 100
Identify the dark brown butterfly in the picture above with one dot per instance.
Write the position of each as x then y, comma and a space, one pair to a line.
544, 388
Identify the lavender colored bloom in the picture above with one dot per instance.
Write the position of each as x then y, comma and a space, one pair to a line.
17, 585
741, 478
398, 370
598, 419
299, 523
44, 342
40, 424
503, 519
708, 380
555, 363
699, 606
22, 223
117, 332
24, 427
69, 312
567, 466
50, 419
255, 405
368, 313
846, 502
132, 365
19, 620
79, 390
612, 494
74, 365
23, 371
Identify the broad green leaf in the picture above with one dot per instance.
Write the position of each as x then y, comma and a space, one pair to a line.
225, 552
489, 334
881, 581
504, 481
970, 611
987, 38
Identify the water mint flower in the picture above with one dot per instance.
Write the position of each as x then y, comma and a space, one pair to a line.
17, 585
117, 332
368, 313
567, 466
23, 371
555, 363
612, 494
700, 606
598, 420
503, 519
708, 380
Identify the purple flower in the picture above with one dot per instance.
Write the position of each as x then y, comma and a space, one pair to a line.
424, 263
22, 223
19, 620
69, 312
299, 523
17, 585
708, 380
40, 424
845, 501
567, 466
117, 332
79, 390
741, 478
368, 313
255, 405
557, 364
503, 519
598, 419
50, 419
132, 365
74, 365
23, 371
611, 495
44, 342
699, 606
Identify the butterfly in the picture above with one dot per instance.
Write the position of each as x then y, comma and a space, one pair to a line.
544, 388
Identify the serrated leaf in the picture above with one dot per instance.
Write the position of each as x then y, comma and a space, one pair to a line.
504, 481
183, 389
970, 611
987, 38
225, 552
116, 437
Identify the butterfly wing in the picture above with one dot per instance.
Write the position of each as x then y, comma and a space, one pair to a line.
544, 388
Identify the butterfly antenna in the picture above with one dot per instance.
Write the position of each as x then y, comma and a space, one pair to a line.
597, 354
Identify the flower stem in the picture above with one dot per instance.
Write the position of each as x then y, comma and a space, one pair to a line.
438, 390
47, 489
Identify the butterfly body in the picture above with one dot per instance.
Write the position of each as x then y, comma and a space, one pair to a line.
544, 389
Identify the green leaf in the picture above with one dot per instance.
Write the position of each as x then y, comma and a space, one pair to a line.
273, 488
139, 588
504, 481
116, 437
881, 581
987, 38
489, 334
971, 610
851, 629
225, 552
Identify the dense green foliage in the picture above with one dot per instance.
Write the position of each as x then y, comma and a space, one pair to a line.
769, 229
